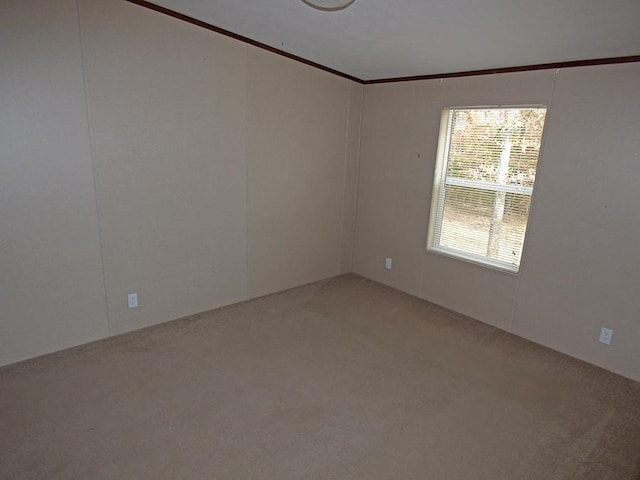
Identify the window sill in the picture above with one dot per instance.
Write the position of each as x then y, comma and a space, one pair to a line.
476, 260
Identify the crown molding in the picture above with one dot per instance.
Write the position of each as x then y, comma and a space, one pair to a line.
235, 36
522, 68
470, 73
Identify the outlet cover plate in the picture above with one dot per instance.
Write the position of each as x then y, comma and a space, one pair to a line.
606, 335
132, 300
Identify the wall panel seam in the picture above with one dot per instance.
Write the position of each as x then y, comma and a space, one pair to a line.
516, 292
93, 166
345, 186
357, 185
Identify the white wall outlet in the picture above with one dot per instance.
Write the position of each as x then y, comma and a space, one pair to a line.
388, 263
132, 300
606, 335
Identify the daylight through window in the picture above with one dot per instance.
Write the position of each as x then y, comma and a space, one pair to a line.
485, 173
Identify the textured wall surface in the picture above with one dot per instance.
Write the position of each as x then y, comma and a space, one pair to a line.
198, 170
579, 267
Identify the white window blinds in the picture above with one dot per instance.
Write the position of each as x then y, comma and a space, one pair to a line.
484, 179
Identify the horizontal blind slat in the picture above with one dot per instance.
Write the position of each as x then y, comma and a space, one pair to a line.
496, 187
491, 164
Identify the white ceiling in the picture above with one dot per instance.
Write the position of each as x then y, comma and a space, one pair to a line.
375, 39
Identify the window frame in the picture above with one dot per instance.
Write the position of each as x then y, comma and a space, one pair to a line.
440, 181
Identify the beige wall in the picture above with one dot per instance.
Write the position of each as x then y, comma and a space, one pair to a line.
192, 139
140, 153
579, 267
352, 169
51, 287
582, 270
297, 128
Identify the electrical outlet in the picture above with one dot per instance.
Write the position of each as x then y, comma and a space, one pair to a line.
132, 300
606, 335
388, 263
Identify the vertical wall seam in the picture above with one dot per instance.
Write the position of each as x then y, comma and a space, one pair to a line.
345, 186
246, 171
357, 183
93, 167
429, 200
541, 154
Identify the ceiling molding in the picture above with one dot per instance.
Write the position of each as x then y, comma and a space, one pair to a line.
235, 36
471, 73
523, 68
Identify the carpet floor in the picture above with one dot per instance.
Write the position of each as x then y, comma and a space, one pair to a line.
340, 379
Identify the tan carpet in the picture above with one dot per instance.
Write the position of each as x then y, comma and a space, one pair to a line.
341, 379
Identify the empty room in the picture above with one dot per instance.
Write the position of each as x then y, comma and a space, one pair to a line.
319, 239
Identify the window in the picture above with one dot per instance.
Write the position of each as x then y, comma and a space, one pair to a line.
484, 178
